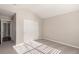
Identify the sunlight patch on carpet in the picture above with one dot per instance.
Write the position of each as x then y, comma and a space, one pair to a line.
33, 47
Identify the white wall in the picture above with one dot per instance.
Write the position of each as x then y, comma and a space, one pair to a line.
4, 17
13, 28
63, 28
30, 19
19, 26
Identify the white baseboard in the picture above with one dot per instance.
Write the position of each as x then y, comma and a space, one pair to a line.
62, 43
19, 44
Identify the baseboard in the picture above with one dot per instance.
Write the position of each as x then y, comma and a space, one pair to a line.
19, 44
62, 43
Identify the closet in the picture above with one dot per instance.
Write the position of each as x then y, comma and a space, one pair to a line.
5, 30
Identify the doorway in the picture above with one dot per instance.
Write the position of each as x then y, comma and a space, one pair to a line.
7, 31
4, 31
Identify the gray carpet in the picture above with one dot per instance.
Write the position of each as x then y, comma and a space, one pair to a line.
33, 47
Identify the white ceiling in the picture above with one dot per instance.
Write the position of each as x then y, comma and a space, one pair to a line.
5, 13
42, 10
6, 10
48, 10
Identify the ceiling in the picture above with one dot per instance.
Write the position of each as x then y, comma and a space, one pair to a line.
42, 10
5, 13
49, 10
6, 10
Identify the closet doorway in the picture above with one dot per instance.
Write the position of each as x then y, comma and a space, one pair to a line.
4, 31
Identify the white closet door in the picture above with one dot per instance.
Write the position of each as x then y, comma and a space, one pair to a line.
31, 30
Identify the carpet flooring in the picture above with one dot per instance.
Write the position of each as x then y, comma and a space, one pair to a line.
34, 47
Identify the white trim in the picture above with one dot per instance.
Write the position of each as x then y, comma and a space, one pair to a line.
62, 43
19, 44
